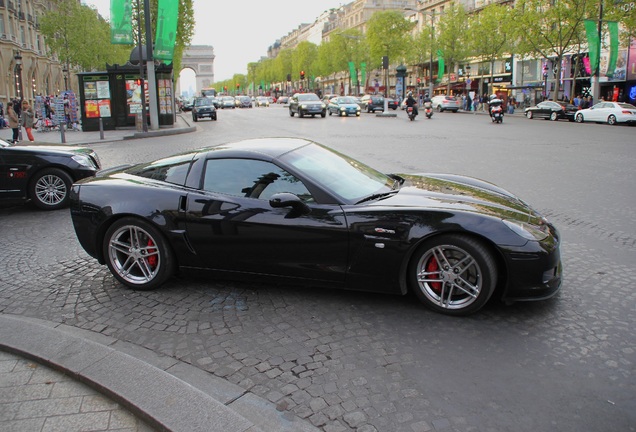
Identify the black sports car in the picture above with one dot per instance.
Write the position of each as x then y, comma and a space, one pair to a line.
43, 174
291, 208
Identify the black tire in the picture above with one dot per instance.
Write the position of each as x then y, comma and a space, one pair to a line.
529, 115
137, 254
439, 108
300, 113
469, 287
611, 120
554, 116
291, 113
323, 115
330, 113
195, 119
579, 118
49, 189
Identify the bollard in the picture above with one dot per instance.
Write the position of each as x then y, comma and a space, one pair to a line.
101, 129
62, 133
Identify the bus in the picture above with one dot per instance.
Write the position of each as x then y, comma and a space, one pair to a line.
208, 92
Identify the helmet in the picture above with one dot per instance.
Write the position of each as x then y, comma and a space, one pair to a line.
410, 93
493, 96
426, 95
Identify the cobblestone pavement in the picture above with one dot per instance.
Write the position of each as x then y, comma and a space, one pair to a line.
349, 361
35, 398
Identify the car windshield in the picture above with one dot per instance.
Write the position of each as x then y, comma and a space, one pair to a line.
308, 97
348, 179
346, 100
203, 102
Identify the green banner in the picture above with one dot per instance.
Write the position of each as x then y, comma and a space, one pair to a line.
593, 43
440, 65
613, 31
352, 73
363, 73
167, 17
121, 22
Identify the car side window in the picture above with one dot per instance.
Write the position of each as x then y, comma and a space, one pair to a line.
251, 179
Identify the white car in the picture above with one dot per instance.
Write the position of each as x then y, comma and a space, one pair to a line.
446, 103
610, 112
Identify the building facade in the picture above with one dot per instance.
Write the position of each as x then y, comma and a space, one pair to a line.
27, 68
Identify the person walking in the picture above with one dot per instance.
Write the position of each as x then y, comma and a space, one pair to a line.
28, 118
14, 122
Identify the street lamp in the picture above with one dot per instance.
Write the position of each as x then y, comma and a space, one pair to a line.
65, 73
18, 74
545, 80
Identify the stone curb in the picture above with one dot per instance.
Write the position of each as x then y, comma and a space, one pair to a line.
168, 394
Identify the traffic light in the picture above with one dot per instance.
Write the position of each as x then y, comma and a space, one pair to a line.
385, 62
237, 86
419, 80
302, 75
224, 88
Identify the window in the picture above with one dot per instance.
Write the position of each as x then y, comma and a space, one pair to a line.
251, 179
2, 24
171, 170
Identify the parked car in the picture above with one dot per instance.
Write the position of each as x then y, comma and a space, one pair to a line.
43, 174
244, 102
291, 209
228, 102
203, 107
343, 106
551, 110
187, 104
610, 112
372, 103
445, 103
307, 104
283, 100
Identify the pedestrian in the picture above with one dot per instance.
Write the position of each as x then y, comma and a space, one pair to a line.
28, 118
14, 122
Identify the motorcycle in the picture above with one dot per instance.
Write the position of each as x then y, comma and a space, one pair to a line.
496, 114
428, 109
410, 111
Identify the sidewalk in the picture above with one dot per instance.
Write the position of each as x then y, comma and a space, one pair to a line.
180, 126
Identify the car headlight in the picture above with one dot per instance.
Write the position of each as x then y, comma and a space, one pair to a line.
303, 106
323, 106
529, 231
83, 160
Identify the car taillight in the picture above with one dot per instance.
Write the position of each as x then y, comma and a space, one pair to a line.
627, 112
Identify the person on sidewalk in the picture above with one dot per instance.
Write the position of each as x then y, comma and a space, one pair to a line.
28, 118
14, 121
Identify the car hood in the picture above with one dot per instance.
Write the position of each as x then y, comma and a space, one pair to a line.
459, 193
52, 150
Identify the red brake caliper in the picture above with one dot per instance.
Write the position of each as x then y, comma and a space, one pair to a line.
432, 267
152, 259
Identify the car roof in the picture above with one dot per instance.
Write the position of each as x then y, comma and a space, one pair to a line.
268, 147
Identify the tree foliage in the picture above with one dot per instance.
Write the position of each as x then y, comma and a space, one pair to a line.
388, 34
452, 36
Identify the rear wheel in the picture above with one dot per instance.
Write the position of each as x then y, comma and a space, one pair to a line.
529, 115
611, 120
453, 274
554, 116
137, 254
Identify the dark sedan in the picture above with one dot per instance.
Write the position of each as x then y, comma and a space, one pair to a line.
551, 110
372, 103
307, 104
43, 174
288, 208
203, 107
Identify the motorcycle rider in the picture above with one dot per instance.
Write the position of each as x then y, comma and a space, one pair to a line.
411, 102
493, 102
427, 102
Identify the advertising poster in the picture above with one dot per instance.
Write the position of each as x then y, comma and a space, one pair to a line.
103, 90
631, 64
92, 108
104, 107
90, 90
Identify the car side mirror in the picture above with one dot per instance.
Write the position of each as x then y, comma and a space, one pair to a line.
286, 199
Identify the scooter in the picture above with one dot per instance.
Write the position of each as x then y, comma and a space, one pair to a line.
496, 114
410, 111
428, 109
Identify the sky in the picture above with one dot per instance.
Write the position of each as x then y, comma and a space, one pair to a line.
241, 31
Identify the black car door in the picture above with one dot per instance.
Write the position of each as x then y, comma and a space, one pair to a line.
13, 173
232, 226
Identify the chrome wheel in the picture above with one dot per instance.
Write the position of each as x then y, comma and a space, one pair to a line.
454, 275
137, 255
554, 116
579, 118
611, 120
50, 189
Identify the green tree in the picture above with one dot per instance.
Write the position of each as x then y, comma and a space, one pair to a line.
388, 34
349, 46
492, 39
624, 12
422, 49
551, 29
452, 36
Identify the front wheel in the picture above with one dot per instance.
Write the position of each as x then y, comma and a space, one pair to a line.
529, 115
554, 116
137, 254
579, 118
453, 274
291, 113
50, 189
611, 120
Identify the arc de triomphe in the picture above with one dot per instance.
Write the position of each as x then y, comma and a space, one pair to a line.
199, 58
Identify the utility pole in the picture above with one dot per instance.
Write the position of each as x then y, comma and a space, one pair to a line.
150, 66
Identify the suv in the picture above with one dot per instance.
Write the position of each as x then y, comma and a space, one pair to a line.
307, 104
445, 103
203, 107
371, 103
